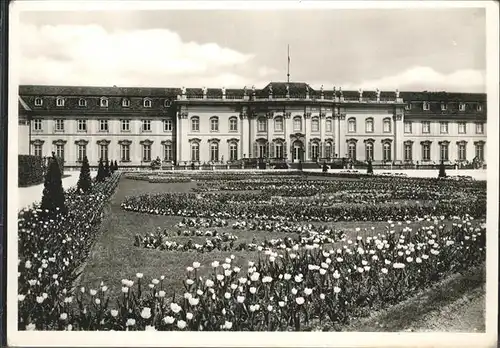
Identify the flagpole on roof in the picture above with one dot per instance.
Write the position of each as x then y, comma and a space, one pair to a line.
288, 66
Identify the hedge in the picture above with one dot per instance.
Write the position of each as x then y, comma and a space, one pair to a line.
31, 170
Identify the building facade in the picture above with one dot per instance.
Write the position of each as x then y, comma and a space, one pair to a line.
288, 121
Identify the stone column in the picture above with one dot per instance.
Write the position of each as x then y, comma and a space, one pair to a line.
322, 126
251, 133
307, 117
341, 132
398, 137
286, 146
244, 134
178, 138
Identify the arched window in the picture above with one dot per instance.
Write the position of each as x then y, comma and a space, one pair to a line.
369, 150
233, 124
214, 124
297, 123
147, 103
278, 149
261, 124
329, 150
352, 150
387, 125
38, 101
214, 151
386, 150
60, 101
314, 150
125, 102
104, 102
351, 125
369, 125
328, 124
82, 102
195, 124
233, 151
278, 124
195, 152
315, 124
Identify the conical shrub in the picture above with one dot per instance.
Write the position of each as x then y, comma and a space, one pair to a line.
85, 181
53, 192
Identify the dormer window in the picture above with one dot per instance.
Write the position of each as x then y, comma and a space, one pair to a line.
444, 106
60, 101
479, 107
82, 102
408, 106
104, 102
38, 101
461, 107
426, 106
167, 103
147, 103
125, 102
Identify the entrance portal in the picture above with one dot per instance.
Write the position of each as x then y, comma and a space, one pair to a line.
298, 151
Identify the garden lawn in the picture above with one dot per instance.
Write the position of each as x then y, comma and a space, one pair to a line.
114, 256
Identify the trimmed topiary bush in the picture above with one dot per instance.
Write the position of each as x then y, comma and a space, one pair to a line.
442, 170
53, 192
370, 167
101, 175
85, 181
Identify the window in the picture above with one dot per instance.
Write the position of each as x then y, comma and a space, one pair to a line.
82, 125
314, 150
328, 150
443, 107
60, 101
461, 107
125, 125
104, 102
480, 151
261, 124
103, 151
147, 103
479, 107
328, 125
408, 152
443, 151
315, 125
37, 125
233, 151
103, 126
352, 150
146, 152
167, 125
479, 128
214, 152
59, 125
167, 152
462, 151
146, 125
60, 151
125, 152
82, 102
387, 125
297, 123
195, 152
167, 103
408, 106
386, 151
369, 125
369, 151
278, 124
426, 152
278, 150
426, 106
38, 101
351, 128
125, 102
37, 150
444, 127
214, 124
407, 126
82, 152
233, 124
462, 128
195, 124
426, 127
262, 150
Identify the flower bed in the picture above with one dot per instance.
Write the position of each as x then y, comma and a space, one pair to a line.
51, 251
298, 288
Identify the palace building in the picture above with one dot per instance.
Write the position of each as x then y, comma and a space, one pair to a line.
287, 121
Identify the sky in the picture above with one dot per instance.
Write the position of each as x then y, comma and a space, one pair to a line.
408, 49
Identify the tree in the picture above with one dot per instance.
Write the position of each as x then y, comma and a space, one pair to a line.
442, 170
107, 171
116, 165
100, 172
85, 181
111, 167
370, 167
53, 192
325, 167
